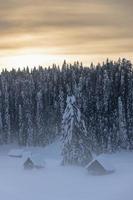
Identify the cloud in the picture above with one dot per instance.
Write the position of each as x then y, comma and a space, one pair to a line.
80, 26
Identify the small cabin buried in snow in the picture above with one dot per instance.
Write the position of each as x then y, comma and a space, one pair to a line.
16, 153
99, 166
33, 162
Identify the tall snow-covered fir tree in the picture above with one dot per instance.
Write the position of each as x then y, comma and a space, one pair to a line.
7, 123
39, 120
20, 124
123, 139
76, 144
1, 124
1, 129
30, 136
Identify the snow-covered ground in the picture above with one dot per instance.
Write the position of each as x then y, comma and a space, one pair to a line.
56, 182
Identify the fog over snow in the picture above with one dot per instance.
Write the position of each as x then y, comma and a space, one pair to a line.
56, 182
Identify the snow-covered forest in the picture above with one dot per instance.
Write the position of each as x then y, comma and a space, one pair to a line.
32, 103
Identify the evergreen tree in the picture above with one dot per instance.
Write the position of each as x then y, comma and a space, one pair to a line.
123, 139
41, 137
76, 144
7, 125
30, 137
1, 130
20, 131
1, 123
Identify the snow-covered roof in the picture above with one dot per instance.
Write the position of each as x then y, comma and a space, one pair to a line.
37, 159
16, 152
103, 161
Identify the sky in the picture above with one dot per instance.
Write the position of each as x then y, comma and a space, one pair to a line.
40, 32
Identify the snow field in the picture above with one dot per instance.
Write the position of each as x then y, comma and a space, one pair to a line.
56, 182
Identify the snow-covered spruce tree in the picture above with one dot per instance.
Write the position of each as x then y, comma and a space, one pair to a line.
20, 131
30, 137
76, 144
1, 123
41, 138
123, 139
1, 129
7, 125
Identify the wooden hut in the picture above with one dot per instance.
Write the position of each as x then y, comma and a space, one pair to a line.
99, 166
34, 161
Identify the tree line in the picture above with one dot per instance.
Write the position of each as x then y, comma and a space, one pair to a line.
32, 103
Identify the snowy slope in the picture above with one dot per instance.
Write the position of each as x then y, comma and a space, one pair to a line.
56, 182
